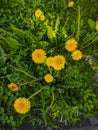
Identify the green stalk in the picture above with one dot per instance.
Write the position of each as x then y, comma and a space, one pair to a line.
88, 44
78, 22
50, 70
52, 98
90, 40
35, 93
27, 74
56, 73
87, 38
30, 81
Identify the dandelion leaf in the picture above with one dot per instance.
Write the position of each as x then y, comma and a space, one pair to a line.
91, 24
13, 43
50, 32
57, 24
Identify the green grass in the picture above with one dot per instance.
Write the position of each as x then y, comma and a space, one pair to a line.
72, 94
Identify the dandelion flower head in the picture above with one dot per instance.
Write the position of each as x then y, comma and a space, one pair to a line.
76, 55
70, 4
38, 56
58, 62
71, 45
38, 13
13, 87
22, 105
48, 78
42, 17
49, 61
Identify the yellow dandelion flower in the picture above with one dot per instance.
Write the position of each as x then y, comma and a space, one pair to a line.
49, 61
38, 13
71, 45
70, 4
48, 78
76, 55
42, 17
13, 87
22, 105
96, 27
58, 62
96, 22
39, 56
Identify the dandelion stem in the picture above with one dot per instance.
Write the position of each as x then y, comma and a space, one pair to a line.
27, 74
50, 70
88, 44
35, 93
89, 39
30, 81
56, 73
52, 99
78, 28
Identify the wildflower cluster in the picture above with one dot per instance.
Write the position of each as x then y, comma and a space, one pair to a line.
57, 62
71, 46
21, 105
46, 62
39, 14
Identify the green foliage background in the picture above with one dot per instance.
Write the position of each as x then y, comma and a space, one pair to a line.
73, 94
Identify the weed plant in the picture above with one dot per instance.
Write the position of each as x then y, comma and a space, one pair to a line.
48, 58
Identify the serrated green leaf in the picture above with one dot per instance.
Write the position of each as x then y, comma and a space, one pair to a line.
64, 32
91, 24
50, 32
57, 24
12, 42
